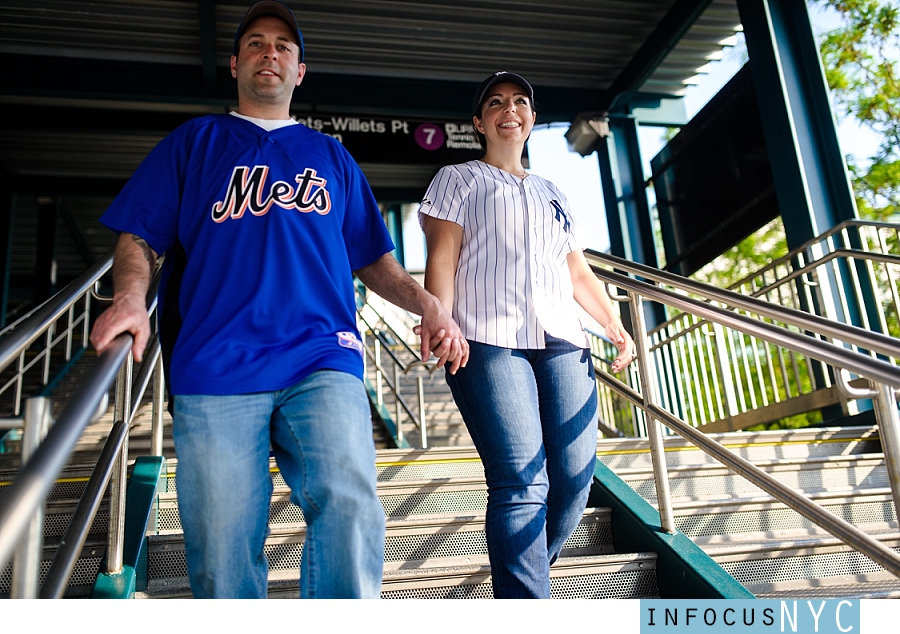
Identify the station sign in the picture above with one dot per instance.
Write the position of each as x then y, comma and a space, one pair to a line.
399, 140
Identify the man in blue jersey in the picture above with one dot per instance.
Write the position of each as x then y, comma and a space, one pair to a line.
264, 222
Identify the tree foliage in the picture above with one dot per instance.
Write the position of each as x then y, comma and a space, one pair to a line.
862, 66
861, 57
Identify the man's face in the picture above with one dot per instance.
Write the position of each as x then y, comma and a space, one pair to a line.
267, 66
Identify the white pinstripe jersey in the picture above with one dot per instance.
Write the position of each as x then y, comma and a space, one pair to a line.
512, 283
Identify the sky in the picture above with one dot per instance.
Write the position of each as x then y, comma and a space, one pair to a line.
578, 177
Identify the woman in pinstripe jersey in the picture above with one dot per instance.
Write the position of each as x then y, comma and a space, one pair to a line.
502, 256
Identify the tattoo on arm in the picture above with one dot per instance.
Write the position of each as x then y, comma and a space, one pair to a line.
145, 248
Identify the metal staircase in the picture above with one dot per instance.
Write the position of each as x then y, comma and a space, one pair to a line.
434, 503
753, 502
772, 550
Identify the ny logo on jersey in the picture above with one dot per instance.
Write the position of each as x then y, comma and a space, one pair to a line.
246, 190
560, 212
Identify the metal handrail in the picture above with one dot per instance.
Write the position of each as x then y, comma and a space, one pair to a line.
57, 577
850, 254
841, 529
867, 339
882, 373
15, 324
27, 493
394, 387
793, 253
16, 341
825, 351
429, 366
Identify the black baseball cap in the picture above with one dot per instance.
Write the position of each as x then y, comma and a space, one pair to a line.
500, 77
273, 8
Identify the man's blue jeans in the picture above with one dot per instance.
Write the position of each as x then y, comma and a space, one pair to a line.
532, 415
320, 431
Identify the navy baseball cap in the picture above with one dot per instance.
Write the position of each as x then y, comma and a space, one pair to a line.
273, 8
500, 77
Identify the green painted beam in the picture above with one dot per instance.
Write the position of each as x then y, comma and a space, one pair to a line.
683, 570
140, 501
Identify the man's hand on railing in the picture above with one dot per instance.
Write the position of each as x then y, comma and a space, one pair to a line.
132, 268
127, 313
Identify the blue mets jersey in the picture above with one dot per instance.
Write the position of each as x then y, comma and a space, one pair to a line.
262, 232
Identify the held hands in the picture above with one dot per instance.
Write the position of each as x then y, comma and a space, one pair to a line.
126, 314
441, 337
620, 338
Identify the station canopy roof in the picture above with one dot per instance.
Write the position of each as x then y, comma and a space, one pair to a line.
64, 61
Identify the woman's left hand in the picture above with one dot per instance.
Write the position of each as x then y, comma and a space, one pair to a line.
620, 338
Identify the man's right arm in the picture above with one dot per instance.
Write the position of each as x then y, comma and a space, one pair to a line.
132, 268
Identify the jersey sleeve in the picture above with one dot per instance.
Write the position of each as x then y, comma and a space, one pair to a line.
148, 204
365, 235
445, 197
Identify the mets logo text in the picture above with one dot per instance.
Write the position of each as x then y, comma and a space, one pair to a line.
247, 190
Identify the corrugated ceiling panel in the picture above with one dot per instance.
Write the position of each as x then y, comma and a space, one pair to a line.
717, 23
563, 43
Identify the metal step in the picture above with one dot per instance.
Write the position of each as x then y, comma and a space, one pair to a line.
712, 481
881, 585
631, 576
806, 562
727, 518
423, 542
83, 576
399, 499
798, 444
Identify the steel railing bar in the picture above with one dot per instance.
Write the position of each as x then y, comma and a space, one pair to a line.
28, 491
16, 341
841, 529
824, 237
394, 389
400, 340
824, 351
877, 342
148, 365
57, 578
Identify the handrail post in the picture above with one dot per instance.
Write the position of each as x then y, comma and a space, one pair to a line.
379, 389
48, 350
159, 389
397, 404
26, 565
724, 368
20, 385
889, 431
423, 432
86, 323
69, 331
116, 533
647, 371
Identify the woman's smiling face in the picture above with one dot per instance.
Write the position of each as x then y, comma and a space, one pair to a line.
507, 115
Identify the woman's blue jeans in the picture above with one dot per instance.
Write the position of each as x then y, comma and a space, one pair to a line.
532, 415
320, 431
